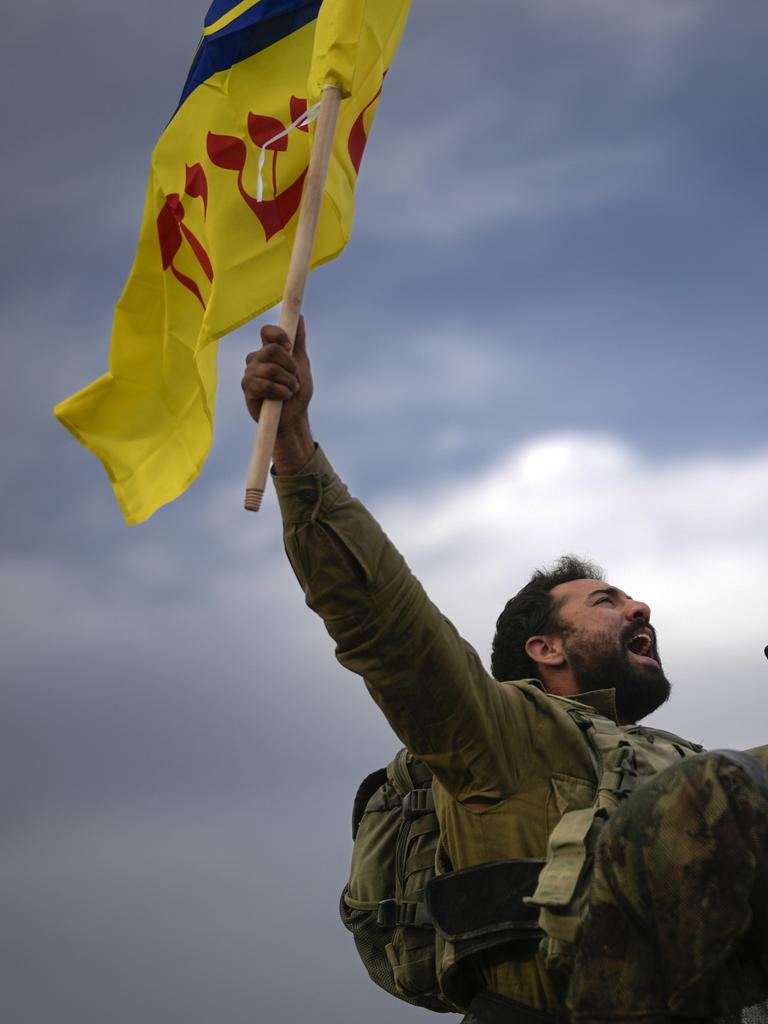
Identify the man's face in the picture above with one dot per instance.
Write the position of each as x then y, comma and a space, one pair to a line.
609, 643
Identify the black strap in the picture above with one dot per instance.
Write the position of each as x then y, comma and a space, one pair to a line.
491, 1008
412, 913
486, 897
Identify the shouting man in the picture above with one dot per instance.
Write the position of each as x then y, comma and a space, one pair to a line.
653, 890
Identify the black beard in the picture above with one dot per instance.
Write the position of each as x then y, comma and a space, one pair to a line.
601, 664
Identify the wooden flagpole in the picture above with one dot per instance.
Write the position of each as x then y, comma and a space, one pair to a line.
298, 269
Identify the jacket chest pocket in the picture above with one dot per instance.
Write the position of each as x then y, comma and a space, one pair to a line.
567, 793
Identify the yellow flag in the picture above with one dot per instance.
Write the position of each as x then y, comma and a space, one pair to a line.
220, 216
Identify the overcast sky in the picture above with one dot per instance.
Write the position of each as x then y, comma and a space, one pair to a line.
548, 333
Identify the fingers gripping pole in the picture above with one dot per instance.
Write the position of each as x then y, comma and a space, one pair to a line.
298, 269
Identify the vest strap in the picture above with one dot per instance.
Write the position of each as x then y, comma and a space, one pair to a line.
484, 906
393, 913
418, 802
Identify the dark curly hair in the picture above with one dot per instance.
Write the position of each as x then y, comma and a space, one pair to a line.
532, 611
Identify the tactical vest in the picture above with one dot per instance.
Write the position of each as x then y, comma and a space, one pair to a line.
623, 757
415, 921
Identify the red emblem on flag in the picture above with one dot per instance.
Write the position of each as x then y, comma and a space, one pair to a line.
173, 232
231, 153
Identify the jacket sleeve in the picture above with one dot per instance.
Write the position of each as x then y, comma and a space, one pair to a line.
474, 732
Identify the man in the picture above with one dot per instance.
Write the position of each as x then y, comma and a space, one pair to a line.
535, 767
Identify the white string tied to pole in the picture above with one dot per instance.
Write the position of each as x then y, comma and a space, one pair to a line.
301, 121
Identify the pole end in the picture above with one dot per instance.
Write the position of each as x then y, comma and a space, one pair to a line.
253, 496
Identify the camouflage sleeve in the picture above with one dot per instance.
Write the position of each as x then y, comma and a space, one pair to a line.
473, 732
760, 754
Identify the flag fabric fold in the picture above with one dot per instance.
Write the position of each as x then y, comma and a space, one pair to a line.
213, 248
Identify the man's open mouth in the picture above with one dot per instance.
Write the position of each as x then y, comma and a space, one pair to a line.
642, 646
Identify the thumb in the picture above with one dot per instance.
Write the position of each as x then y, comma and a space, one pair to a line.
300, 342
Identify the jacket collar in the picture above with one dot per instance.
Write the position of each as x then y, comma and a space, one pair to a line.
602, 701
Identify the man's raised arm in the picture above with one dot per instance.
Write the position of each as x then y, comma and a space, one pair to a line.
428, 681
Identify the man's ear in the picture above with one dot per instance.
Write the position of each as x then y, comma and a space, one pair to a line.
545, 650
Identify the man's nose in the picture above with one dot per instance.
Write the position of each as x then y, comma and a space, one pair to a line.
638, 610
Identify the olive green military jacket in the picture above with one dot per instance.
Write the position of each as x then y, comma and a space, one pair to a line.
509, 742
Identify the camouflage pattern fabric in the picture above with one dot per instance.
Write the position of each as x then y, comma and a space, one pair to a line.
678, 911
757, 1014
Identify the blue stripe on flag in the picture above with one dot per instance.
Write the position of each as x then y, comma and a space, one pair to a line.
257, 28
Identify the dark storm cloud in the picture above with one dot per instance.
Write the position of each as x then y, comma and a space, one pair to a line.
204, 912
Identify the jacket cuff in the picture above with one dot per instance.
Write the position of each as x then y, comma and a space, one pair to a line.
303, 496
